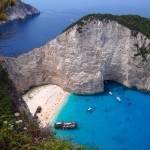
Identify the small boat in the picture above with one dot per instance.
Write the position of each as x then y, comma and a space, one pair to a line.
118, 99
91, 109
110, 93
65, 125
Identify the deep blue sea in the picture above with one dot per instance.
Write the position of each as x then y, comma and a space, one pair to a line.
22, 36
113, 125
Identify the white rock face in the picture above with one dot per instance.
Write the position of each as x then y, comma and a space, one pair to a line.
20, 11
80, 62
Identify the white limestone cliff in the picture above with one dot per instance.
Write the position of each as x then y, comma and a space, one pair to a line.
80, 62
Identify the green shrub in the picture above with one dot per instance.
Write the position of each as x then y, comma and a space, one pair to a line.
13, 2
3, 17
133, 22
143, 51
4, 4
19, 133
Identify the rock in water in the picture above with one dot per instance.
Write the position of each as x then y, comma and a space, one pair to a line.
81, 58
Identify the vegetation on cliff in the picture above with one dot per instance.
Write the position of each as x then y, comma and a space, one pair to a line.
133, 22
143, 51
4, 4
5, 105
18, 132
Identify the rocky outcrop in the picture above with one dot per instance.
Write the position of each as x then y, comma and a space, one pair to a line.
9, 93
20, 11
80, 62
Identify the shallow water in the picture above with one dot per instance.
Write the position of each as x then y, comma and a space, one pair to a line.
22, 36
113, 125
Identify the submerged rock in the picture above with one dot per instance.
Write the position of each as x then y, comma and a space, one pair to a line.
81, 59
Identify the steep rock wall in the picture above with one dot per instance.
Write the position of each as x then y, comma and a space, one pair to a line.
79, 62
20, 11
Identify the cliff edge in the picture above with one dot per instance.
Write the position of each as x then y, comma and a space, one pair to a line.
16, 9
84, 56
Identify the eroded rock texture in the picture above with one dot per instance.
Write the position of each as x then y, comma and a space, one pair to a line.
20, 11
79, 62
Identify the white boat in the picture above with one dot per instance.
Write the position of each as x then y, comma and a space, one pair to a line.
90, 109
110, 93
118, 99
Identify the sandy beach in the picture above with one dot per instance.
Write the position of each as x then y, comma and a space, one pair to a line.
50, 98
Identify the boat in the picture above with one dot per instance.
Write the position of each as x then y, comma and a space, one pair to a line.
65, 125
118, 99
110, 93
91, 109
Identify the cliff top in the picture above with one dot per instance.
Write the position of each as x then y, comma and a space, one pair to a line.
3, 6
15, 9
133, 22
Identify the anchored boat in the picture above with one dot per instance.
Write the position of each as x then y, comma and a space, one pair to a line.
118, 99
91, 109
65, 125
110, 93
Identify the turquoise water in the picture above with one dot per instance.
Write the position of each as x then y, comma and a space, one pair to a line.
113, 125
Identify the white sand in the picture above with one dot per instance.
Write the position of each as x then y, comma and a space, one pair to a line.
50, 97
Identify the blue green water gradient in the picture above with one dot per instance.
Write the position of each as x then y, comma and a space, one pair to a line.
113, 125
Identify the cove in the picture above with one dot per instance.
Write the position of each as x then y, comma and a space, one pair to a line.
112, 125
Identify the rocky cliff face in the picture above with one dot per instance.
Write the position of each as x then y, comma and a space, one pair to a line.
20, 11
80, 61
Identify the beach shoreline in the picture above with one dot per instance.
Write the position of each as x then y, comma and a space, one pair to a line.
50, 98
